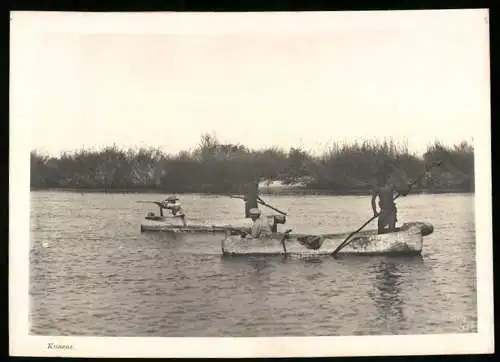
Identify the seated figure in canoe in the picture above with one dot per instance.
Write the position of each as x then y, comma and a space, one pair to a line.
385, 189
171, 203
260, 226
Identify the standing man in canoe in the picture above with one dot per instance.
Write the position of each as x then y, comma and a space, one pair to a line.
384, 189
251, 197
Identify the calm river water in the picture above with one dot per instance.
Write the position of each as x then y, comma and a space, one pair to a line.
94, 274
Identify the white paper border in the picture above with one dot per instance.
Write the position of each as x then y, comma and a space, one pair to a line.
22, 344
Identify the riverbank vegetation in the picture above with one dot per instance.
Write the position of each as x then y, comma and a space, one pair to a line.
215, 167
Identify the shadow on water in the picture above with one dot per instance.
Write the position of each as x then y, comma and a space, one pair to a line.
255, 275
276, 259
345, 259
391, 277
242, 261
388, 301
270, 259
373, 259
259, 271
163, 240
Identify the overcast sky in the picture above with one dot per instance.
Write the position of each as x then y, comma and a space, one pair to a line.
297, 79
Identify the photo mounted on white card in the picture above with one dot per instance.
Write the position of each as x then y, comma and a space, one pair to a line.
250, 184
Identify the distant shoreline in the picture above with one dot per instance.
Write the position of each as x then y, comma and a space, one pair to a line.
285, 192
215, 168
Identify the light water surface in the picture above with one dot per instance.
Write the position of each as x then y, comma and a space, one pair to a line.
94, 274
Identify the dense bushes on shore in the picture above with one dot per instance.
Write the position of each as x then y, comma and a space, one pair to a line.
214, 167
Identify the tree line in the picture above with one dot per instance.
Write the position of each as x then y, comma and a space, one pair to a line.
215, 167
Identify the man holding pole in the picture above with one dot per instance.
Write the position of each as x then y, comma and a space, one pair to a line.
251, 197
384, 189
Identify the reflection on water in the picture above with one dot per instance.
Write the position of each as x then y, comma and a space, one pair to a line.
392, 278
94, 273
388, 300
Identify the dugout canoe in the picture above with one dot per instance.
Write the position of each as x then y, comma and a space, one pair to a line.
178, 223
406, 240
193, 226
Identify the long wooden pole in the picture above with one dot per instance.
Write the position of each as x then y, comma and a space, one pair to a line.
285, 236
262, 203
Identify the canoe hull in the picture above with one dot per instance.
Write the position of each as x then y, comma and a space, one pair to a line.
168, 224
407, 241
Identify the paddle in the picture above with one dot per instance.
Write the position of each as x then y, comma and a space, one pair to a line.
418, 179
285, 236
262, 202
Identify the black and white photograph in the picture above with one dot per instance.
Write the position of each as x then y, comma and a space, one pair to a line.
289, 184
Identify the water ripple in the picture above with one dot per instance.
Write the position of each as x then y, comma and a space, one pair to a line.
93, 273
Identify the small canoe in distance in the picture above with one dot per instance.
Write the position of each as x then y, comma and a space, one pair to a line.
206, 226
406, 240
178, 223
175, 224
